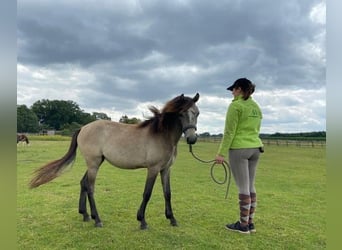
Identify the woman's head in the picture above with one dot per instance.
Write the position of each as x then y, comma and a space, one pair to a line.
242, 86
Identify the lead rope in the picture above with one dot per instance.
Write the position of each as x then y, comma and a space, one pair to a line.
225, 166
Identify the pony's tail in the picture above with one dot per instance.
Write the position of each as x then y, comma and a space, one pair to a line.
53, 169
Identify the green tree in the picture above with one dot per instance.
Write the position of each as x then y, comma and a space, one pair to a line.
125, 119
69, 129
101, 116
205, 134
85, 118
27, 120
58, 113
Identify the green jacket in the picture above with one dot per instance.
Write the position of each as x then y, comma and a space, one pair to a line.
242, 127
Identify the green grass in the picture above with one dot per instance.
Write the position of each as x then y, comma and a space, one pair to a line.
291, 213
49, 138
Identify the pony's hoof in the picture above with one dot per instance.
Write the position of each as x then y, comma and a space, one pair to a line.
98, 224
174, 224
143, 226
86, 218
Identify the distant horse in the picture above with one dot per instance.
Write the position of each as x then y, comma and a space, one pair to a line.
151, 144
22, 138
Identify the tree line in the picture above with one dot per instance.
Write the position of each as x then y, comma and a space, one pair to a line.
67, 116
60, 115
317, 135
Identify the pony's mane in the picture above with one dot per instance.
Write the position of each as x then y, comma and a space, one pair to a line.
167, 117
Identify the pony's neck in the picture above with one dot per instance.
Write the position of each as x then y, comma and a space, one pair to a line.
175, 132
172, 127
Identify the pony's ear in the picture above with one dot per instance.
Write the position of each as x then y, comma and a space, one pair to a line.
181, 96
196, 97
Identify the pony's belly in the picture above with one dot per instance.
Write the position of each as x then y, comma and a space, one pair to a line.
127, 162
144, 160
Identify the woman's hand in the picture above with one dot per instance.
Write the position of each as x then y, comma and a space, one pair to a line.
219, 159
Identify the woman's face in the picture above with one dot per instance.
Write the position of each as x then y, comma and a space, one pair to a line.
236, 91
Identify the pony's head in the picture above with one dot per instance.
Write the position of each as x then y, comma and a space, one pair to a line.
188, 112
181, 110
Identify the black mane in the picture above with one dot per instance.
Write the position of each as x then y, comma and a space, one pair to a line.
167, 118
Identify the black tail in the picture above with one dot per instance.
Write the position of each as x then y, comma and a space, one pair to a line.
53, 169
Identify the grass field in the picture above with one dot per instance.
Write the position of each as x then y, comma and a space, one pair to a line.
291, 213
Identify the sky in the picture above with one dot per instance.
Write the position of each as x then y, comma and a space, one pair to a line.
120, 57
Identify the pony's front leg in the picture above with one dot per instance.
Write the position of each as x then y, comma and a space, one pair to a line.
151, 178
165, 179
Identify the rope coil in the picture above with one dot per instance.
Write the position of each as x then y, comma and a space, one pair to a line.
226, 168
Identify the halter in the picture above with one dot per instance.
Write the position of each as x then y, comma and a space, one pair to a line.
188, 127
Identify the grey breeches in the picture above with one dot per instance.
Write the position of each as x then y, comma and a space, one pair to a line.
243, 163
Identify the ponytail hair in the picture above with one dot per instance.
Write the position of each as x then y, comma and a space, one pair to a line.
248, 91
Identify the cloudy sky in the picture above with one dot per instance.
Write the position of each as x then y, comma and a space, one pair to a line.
119, 57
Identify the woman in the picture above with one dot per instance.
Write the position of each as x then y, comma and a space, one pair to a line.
242, 145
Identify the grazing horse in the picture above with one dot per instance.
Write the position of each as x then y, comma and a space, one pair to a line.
22, 138
151, 144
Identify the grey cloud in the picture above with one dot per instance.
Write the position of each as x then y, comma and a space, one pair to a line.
154, 50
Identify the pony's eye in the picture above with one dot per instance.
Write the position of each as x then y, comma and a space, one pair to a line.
195, 113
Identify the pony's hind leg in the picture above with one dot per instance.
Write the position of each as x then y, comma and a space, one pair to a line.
82, 208
89, 184
150, 180
165, 179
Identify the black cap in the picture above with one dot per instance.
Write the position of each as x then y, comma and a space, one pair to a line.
243, 83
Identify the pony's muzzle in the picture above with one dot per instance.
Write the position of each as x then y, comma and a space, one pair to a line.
190, 134
191, 139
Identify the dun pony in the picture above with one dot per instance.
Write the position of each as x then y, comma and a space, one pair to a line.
152, 144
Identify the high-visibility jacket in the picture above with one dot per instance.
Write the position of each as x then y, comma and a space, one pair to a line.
242, 126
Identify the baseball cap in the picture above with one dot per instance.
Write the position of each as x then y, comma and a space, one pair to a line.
243, 83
